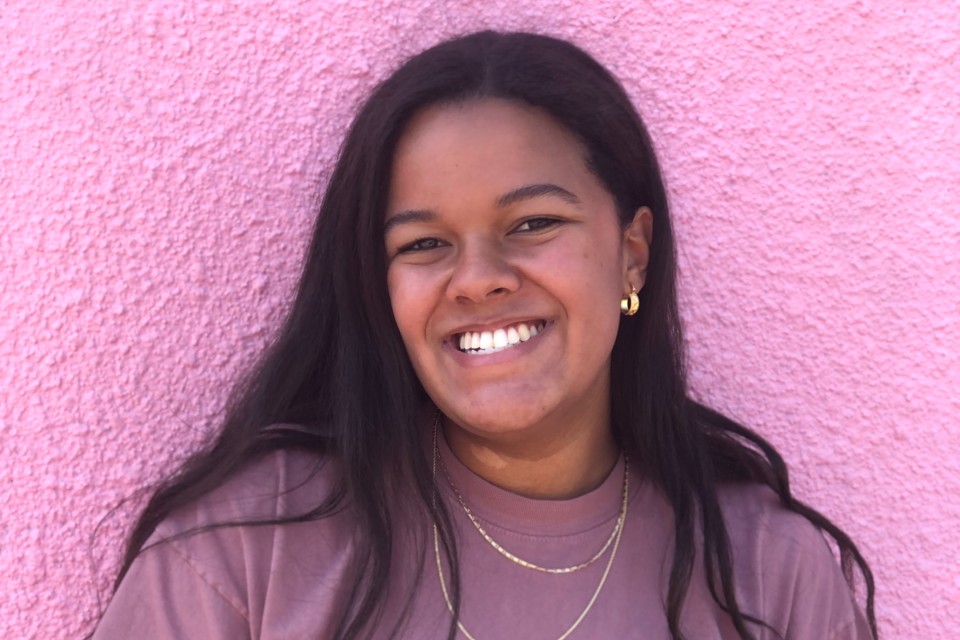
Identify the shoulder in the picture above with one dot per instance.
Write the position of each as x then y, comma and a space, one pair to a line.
219, 567
773, 548
754, 514
267, 513
285, 483
786, 573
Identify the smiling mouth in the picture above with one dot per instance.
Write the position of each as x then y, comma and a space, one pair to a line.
484, 342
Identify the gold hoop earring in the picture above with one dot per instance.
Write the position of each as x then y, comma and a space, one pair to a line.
630, 302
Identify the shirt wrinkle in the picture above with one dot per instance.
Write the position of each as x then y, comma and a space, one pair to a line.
240, 608
835, 634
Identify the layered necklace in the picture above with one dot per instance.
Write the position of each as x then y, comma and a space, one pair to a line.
613, 540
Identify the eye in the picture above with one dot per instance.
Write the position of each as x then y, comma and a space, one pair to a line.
423, 244
536, 224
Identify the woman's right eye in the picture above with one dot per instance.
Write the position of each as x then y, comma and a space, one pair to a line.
423, 244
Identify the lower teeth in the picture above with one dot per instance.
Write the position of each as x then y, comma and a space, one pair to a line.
490, 350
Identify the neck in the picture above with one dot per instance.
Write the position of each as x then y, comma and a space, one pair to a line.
567, 463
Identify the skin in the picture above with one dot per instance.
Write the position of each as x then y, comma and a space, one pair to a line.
471, 246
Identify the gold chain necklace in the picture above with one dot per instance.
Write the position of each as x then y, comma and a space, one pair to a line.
603, 577
525, 563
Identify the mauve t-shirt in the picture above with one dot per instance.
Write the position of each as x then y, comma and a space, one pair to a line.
292, 581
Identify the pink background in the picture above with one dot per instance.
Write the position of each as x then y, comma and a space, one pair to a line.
160, 158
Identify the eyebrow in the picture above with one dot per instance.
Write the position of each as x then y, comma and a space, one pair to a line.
404, 217
535, 191
520, 194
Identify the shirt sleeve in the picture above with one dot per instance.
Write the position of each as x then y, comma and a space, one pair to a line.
787, 574
165, 596
823, 605
195, 579
859, 629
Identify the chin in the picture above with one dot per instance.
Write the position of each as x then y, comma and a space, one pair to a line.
501, 420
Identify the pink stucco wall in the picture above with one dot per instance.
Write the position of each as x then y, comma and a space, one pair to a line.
159, 159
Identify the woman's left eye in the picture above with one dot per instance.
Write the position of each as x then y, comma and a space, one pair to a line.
536, 224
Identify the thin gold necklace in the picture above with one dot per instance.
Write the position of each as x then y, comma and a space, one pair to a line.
603, 578
525, 563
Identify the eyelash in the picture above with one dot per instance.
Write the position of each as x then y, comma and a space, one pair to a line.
536, 224
414, 248
549, 222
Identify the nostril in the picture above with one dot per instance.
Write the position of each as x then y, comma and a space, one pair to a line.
480, 273
465, 297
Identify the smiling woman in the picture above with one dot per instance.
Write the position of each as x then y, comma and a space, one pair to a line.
475, 421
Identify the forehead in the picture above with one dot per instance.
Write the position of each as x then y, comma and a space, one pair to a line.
491, 145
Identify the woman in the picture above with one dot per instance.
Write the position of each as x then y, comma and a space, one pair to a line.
474, 422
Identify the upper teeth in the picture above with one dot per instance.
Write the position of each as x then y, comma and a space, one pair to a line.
493, 341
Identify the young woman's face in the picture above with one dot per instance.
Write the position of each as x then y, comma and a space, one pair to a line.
506, 265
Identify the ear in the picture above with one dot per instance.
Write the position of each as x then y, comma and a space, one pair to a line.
636, 249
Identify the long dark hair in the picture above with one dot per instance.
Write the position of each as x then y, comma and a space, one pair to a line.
339, 369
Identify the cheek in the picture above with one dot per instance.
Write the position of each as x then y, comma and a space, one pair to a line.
595, 293
597, 275
409, 299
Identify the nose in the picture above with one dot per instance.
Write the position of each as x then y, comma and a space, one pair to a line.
482, 271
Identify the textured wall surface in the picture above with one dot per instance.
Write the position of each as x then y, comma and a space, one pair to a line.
160, 158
